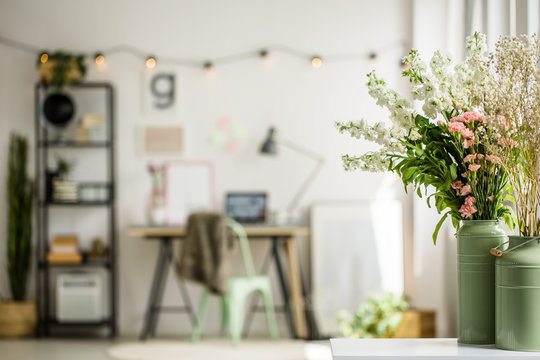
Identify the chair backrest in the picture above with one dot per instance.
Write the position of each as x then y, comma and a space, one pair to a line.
244, 245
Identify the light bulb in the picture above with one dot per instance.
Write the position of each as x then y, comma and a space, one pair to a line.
151, 62
208, 67
43, 57
264, 54
99, 58
316, 61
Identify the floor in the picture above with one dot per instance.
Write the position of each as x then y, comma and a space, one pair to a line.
55, 349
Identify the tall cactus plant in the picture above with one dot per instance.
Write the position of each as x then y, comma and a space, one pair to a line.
20, 199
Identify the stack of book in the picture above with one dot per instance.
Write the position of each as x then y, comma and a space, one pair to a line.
64, 250
65, 191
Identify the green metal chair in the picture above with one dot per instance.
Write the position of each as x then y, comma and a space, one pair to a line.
239, 288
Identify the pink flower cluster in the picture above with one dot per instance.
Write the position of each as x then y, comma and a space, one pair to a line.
461, 190
468, 208
469, 117
472, 157
457, 124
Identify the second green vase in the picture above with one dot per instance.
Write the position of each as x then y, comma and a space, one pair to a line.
476, 280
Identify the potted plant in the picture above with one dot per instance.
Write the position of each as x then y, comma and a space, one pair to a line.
446, 149
18, 316
379, 316
514, 98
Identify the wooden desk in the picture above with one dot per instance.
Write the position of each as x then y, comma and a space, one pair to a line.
410, 349
292, 294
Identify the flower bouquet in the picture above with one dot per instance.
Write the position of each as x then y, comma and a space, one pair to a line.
448, 146
448, 154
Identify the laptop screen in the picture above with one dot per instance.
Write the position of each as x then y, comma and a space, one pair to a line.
246, 207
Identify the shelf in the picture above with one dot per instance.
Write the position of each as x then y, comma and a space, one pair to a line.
54, 322
89, 195
72, 144
104, 264
76, 203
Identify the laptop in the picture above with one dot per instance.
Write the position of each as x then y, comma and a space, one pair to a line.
246, 207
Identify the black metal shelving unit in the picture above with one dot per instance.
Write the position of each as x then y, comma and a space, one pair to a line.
44, 142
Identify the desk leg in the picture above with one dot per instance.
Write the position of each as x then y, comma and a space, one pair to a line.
156, 292
283, 285
295, 284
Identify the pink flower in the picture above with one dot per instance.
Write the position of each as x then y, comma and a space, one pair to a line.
491, 198
440, 123
474, 167
480, 156
469, 158
494, 159
470, 200
467, 133
467, 210
456, 184
456, 127
457, 119
470, 116
481, 119
466, 190
468, 143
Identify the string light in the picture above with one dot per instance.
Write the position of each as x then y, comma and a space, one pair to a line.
264, 54
151, 62
316, 61
43, 57
99, 58
208, 67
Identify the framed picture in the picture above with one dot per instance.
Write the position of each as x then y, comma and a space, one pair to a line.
161, 140
357, 251
189, 187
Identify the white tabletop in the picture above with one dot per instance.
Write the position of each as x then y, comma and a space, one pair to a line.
409, 349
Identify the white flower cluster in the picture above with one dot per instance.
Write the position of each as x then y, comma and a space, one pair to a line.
376, 161
378, 133
401, 112
443, 89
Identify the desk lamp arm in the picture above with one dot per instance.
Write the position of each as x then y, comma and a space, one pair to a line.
311, 176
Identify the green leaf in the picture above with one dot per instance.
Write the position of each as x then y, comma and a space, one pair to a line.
438, 227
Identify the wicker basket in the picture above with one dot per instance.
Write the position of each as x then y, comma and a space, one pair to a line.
17, 319
416, 324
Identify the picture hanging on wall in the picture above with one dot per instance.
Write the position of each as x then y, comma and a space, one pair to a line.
161, 140
189, 187
160, 93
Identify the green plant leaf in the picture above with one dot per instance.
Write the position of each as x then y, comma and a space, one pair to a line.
438, 227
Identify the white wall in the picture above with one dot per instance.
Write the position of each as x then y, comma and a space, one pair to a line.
301, 101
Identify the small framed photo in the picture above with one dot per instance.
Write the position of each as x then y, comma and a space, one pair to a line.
161, 140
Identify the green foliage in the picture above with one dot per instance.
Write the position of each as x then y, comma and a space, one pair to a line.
379, 316
63, 167
63, 69
433, 159
20, 200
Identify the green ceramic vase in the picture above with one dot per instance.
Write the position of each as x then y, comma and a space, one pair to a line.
476, 280
517, 296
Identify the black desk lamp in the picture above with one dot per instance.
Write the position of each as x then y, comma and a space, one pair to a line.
270, 147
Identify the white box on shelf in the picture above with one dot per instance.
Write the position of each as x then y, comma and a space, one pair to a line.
79, 297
